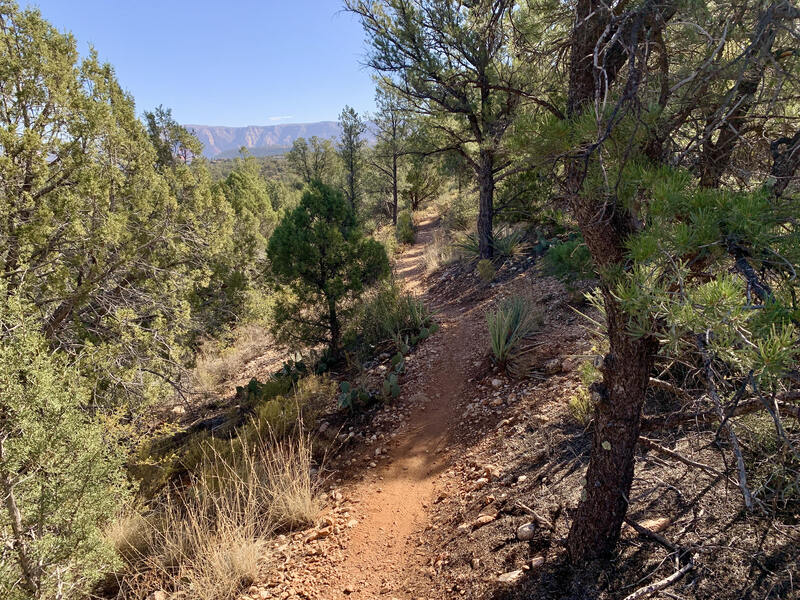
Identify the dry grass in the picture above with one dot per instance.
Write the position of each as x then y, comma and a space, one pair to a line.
217, 364
439, 252
208, 539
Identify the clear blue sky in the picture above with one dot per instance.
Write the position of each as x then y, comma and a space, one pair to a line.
233, 62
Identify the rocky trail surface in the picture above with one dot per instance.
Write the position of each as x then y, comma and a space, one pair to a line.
383, 550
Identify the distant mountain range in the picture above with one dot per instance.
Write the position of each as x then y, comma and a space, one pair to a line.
266, 140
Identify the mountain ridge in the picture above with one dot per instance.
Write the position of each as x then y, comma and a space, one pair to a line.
221, 141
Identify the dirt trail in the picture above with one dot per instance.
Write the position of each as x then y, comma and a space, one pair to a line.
383, 559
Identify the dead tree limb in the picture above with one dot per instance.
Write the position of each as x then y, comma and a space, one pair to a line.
652, 445
662, 583
734, 441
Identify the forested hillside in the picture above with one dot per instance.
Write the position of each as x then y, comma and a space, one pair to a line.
528, 330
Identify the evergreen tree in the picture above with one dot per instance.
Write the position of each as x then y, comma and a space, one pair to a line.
314, 161
321, 261
669, 217
391, 132
351, 147
60, 478
455, 63
106, 236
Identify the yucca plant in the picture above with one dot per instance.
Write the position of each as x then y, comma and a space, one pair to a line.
507, 242
512, 321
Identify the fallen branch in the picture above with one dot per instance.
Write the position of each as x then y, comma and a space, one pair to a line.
663, 583
711, 416
672, 389
652, 445
734, 441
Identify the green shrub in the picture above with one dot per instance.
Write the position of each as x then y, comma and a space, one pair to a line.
460, 214
404, 231
61, 476
486, 269
509, 324
385, 314
569, 260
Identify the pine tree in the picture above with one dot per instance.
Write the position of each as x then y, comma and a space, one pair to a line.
321, 261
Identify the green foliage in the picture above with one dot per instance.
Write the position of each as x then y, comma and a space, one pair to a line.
352, 397
320, 261
459, 213
422, 184
405, 228
509, 324
351, 153
486, 269
61, 475
109, 236
388, 314
314, 161
569, 260
391, 387
506, 241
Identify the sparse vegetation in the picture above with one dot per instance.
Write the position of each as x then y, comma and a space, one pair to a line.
207, 538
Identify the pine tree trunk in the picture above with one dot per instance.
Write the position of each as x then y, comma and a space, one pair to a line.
617, 413
394, 190
335, 327
486, 204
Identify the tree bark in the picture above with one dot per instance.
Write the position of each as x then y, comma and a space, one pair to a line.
619, 398
394, 189
486, 204
335, 327
606, 225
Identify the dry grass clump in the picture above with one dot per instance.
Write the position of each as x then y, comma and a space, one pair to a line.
217, 363
440, 252
208, 538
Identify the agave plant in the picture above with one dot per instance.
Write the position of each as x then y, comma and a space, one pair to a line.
509, 324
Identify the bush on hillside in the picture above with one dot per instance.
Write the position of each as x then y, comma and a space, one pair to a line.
61, 476
569, 260
509, 324
405, 228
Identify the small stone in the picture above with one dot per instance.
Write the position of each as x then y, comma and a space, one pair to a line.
352, 523
349, 589
323, 427
497, 383
481, 482
537, 561
483, 520
511, 576
552, 366
522, 479
526, 532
